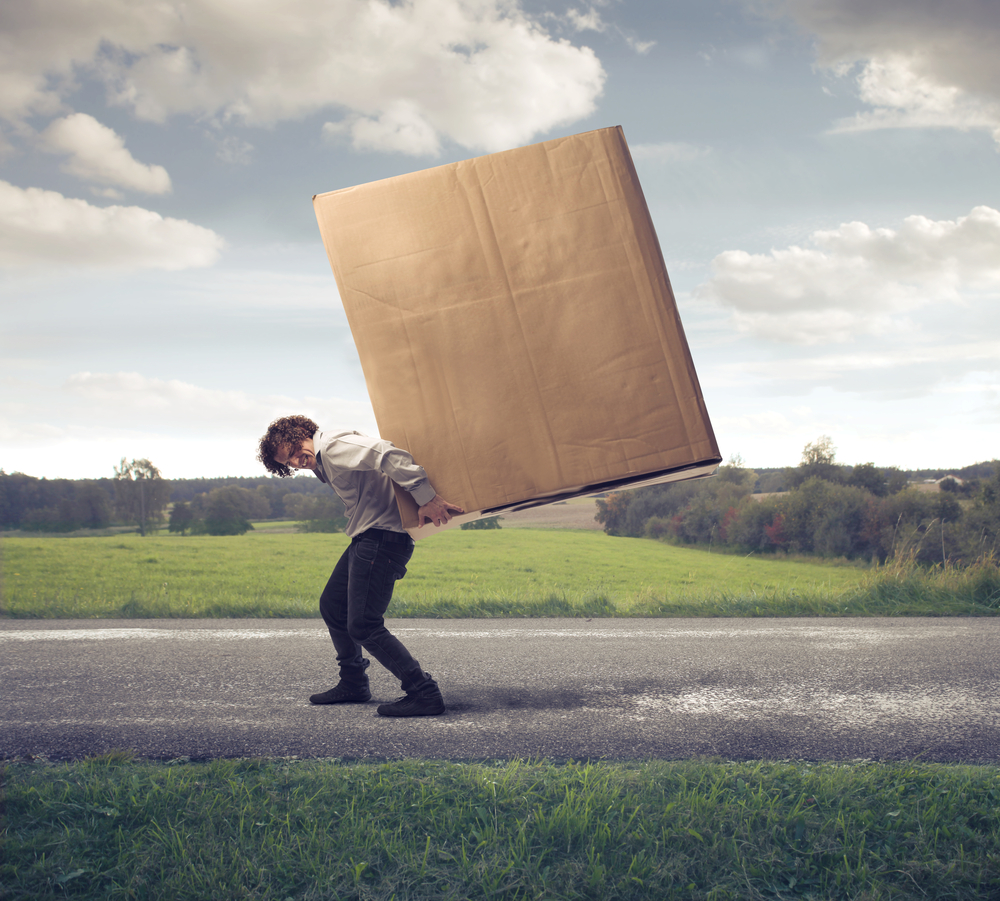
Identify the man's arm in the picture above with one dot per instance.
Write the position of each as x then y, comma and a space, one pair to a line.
437, 511
400, 466
352, 450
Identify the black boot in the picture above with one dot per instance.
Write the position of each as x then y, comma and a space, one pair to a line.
351, 689
421, 699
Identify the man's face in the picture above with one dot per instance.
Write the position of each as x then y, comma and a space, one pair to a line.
301, 457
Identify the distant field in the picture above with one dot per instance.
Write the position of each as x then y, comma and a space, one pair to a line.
573, 514
506, 572
274, 526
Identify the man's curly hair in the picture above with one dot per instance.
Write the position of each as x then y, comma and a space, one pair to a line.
289, 430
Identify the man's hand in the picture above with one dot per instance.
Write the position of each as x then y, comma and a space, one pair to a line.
437, 511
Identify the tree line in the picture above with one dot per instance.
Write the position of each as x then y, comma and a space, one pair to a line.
229, 509
822, 508
827, 509
137, 496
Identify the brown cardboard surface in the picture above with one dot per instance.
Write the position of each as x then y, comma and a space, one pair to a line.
516, 324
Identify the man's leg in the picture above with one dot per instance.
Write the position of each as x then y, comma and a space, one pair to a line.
353, 685
377, 561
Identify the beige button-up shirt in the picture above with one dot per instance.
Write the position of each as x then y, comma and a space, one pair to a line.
361, 470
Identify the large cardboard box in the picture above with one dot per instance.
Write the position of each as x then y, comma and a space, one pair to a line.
516, 325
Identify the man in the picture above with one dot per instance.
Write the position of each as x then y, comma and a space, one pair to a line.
362, 471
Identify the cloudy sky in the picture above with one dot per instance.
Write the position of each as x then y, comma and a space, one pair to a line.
824, 177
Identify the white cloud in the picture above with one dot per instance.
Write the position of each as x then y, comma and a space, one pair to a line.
767, 422
923, 63
109, 193
902, 98
592, 20
829, 368
640, 47
586, 21
39, 227
858, 280
477, 72
98, 154
961, 370
232, 150
401, 128
170, 405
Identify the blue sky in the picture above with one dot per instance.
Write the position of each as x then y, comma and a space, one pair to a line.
822, 175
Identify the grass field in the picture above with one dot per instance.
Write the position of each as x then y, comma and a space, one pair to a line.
112, 828
461, 574
458, 574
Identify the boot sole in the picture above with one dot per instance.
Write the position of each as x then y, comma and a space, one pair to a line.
386, 710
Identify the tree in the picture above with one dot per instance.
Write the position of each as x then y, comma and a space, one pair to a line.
181, 517
895, 480
92, 506
819, 461
982, 527
316, 513
141, 493
871, 478
757, 526
611, 511
820, 452
228, 510
656, 501
55, 505
733, 472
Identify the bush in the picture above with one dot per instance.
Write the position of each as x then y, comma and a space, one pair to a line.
181, 517
627, 512
757, 526
317, 512
825, 518
659, 528
228, 510
487, 522
224, 524
56, 505
821, 516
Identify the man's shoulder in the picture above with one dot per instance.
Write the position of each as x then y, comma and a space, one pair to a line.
350, 447
326, 437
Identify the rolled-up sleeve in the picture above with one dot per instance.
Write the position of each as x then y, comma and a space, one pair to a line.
399, 466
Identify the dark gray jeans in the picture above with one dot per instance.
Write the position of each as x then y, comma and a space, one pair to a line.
354, 602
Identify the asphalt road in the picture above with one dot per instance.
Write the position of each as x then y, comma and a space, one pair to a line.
815, 689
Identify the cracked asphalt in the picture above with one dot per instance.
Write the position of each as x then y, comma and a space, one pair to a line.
811, 689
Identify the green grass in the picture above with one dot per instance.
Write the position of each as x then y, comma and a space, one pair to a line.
463, 574
114, 828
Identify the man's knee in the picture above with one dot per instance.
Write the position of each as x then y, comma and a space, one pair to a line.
361, 630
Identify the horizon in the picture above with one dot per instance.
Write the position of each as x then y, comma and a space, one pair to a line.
265, 475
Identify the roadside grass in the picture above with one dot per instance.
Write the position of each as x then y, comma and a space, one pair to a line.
116, 828
500, 573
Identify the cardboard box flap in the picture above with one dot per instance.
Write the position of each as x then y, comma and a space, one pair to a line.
515, 322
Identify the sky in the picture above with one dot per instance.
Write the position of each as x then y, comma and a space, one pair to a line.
823, 176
